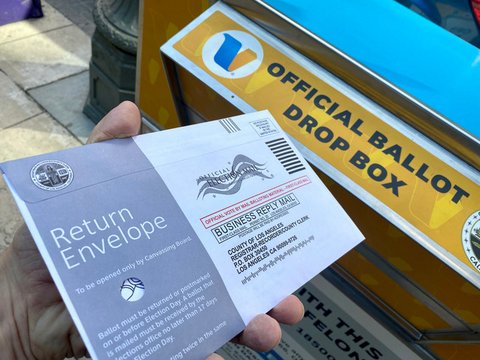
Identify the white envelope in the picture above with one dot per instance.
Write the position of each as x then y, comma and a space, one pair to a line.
167, 244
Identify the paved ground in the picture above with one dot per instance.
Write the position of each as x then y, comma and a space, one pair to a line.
43, 87
78, 11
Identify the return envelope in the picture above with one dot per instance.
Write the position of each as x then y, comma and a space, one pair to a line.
167, 244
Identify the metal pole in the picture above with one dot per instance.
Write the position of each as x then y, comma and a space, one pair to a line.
113, 62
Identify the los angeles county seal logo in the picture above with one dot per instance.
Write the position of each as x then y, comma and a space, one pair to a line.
471, 239
51, 175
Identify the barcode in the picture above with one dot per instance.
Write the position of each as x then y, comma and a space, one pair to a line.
285, 154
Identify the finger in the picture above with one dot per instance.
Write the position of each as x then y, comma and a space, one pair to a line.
261, 334
214, 357
76, 344
122, 121
289, 311
48, 333
22, 240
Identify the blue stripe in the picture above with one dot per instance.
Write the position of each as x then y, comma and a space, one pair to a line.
227, 52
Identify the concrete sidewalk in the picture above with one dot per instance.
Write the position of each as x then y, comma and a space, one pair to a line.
43, 87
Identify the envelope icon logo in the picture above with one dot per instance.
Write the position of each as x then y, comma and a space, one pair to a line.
232, 54
51, 175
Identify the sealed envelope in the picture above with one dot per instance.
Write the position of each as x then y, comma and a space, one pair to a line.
165, 245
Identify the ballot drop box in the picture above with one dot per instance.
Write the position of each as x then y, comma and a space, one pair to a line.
384, 105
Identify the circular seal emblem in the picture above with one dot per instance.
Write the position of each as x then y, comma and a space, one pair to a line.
51, 175
132, 289
232, 54
471, 239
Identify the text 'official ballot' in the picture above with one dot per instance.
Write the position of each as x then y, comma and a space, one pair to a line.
165, 245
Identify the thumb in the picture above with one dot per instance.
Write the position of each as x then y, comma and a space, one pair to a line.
122, 121
214, 357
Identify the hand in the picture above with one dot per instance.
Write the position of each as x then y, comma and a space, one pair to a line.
34, 323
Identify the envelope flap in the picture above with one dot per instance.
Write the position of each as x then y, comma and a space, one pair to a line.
46, 176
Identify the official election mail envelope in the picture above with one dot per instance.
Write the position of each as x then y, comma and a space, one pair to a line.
165, 245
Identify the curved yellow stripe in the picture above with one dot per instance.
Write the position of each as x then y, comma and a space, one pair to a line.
241, 59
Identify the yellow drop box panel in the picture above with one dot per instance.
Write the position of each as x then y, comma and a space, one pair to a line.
418, 204
159, 21
413, 182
